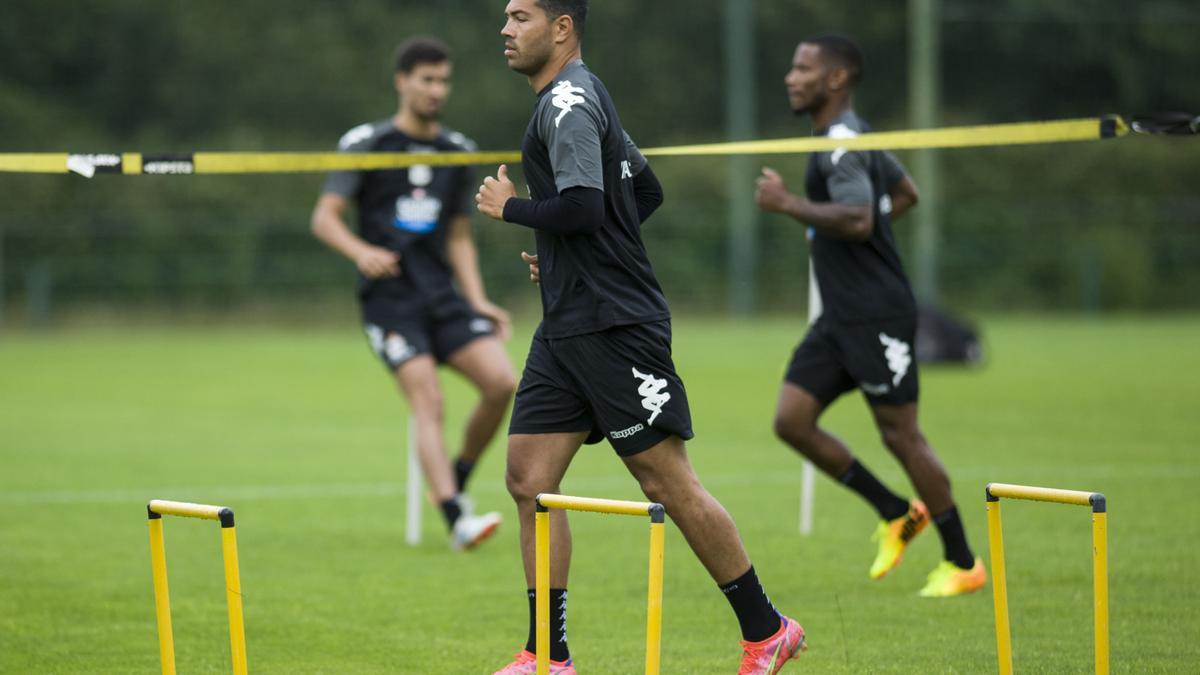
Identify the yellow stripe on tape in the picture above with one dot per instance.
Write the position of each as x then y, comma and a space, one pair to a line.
953, 137
34, 162
301, 162
311, 162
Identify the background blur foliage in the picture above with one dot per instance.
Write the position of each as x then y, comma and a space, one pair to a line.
1085, 226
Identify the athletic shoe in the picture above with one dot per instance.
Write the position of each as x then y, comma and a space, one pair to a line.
948, 579
894, 536
526, 663
767, 657
470, 531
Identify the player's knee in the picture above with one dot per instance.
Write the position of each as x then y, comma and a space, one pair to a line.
428, 404
519, 485
656, 490
499, 389
793, 432
903, 441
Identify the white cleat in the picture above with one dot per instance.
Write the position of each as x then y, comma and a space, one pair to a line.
472, 530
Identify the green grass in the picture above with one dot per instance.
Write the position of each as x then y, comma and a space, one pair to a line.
304, 435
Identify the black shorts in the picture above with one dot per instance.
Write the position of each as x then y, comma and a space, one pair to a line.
876, 357
620, 383
398, 333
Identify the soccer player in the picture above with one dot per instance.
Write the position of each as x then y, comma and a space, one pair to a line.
413, 241
600, 362
863, 337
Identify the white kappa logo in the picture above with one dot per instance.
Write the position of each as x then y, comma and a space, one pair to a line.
565, 98
653, 396
898, 355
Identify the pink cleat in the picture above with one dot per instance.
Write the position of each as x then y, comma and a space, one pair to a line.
767, 657
526, 664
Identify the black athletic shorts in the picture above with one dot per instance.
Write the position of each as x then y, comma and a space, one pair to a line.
876, 357
620, 383
397, 333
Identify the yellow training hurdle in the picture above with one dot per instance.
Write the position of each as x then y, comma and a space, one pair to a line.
233, 585
1099, 506
657, 515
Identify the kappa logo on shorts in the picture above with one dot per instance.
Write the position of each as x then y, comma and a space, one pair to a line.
626, 433
480, 325
653, 396
898, 355
875, 389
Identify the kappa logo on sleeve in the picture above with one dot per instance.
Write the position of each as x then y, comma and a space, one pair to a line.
566, 97
840, 131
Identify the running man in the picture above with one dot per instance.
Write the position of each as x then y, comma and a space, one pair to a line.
413, 242
864, 335
600, 362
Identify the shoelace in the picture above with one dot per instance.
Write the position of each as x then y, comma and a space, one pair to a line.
909, 529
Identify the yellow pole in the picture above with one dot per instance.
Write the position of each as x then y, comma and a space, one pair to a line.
654, 600
999, 587
162, 595
1100, 582
594, 505
233, 596
542, 589
1040, 494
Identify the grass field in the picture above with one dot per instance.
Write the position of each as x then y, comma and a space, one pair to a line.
303, 435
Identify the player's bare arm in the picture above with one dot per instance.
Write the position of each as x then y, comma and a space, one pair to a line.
904, 196
841, 221
329, 225
495, 193
464, 260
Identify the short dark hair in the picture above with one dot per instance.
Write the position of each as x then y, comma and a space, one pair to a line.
421, 49
842, 51
576, 9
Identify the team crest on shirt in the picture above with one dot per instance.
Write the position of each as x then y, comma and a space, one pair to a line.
418, 213
566, 96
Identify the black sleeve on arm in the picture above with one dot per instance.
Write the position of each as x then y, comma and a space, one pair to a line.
578, 210
648, 192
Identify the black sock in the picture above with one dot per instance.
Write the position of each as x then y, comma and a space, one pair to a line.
756, 615
452, 511
462, 471
954, 540
889, 505
558, 624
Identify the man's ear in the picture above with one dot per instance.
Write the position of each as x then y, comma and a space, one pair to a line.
564, 28
839, 78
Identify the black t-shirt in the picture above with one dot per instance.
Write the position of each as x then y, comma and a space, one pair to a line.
857, 281
407, 210
590, 282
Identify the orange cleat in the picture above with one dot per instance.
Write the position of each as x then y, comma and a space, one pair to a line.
894, 536
948, 579
526, 664
767, 657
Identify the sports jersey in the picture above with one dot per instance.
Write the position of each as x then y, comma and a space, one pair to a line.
858, 281
407, 210
598, 280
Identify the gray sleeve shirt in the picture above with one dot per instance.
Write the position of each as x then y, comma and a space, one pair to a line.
571, 123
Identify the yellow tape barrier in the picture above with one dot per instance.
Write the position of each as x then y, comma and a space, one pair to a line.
132, 163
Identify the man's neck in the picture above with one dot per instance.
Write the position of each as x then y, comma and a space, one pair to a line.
824, 117
415, 126
554, 66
